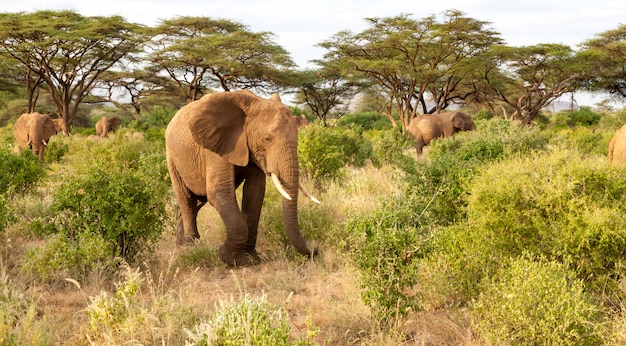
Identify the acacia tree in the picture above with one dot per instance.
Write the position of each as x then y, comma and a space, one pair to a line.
201, 53
67, 50
530, 78
420, 64
325, 91
606, 55
135, 86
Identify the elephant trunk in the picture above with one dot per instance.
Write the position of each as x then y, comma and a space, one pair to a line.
289, 177
37, 143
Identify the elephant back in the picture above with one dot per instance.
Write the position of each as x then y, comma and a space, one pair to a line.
617, 146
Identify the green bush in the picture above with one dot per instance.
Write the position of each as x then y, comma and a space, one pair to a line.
536, 303
366, 121
121, 206
55, 151
388, 146
19, 173
560, 205
584, 117
453, 162
387, 246
252, 321
60, 257
322, 152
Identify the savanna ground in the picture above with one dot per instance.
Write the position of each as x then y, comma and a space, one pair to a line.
412, 252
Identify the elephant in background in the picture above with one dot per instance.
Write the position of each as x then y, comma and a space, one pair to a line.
427, 127
617, 146
33, 130
221, 141
61, 126
301, 121
106, 125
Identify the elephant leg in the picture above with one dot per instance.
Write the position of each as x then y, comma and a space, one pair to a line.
188, 204
234, 249
251, 204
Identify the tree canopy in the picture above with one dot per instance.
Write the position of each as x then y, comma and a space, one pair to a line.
200, 53
67, 51
418, 64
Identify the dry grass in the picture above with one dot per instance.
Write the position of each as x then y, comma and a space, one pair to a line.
322, 296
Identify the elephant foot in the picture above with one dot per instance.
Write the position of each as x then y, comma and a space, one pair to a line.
238, 257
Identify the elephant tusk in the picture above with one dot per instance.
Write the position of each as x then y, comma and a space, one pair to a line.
44, 142
306, 193
279, 186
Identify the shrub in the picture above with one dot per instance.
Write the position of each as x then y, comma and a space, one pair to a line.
322, 152
387, 246
536, 303
585, 117
453, 162
55, 151
559, 205
121, 206
366, 121
252, 321
388, 146
19, 173
60, 257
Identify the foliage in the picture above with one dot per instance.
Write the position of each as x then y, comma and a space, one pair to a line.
606, 53
61, 257
322, 152
453, 162
537, 75
367, 121
559, 205
409, 59
252, 321
388, 146
201, 54
56, 150
19, 173
67, 51
387, 246
539, 303
121, 206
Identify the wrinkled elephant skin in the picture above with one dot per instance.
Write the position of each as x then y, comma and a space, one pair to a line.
221, 141
428, 127
33, 131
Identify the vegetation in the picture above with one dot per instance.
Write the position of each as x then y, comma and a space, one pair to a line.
510, 234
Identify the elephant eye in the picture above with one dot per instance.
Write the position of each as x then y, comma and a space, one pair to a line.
267, 139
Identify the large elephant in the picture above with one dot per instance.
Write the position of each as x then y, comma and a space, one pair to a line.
220, 141
617, 146
33, 130
427, 127
106, 125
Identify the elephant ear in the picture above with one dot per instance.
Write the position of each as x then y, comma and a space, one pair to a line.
458, 121
217, 123
49, 129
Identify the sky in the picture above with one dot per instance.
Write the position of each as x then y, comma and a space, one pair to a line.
298, 26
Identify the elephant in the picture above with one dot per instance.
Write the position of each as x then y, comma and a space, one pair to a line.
33, 130
617, 146
106, 125
220, 141
427, 127
301, 121
61, 126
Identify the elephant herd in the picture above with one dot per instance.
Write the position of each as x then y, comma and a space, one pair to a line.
34, 130
229, 139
